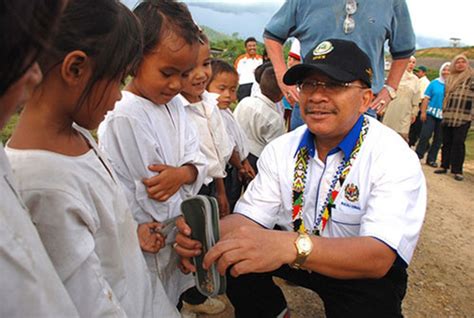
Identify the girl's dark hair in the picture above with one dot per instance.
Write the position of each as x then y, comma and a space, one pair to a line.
162, 17
106, 30
219, 67
25, 28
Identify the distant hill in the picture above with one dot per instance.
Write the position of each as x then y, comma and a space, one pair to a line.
215, 36
446, 52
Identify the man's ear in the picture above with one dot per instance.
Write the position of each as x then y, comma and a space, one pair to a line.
75, 67
367, 97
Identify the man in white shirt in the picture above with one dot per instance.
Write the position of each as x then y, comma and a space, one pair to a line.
260, 117
245, 65
349, 186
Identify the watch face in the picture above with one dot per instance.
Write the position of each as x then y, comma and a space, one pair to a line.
305, 245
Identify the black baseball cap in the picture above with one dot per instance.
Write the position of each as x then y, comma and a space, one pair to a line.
341, 60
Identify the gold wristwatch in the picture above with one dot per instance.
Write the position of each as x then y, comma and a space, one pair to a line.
304, 246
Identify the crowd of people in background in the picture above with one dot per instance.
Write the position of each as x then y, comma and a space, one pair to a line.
277, 142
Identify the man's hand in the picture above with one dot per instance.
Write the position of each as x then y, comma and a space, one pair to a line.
381, 101
251, 249
423, 116
186, 247
164, 185
150, 238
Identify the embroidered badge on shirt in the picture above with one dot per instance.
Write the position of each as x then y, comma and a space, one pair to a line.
351, 192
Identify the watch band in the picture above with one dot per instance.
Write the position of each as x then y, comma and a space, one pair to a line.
304, 246
391, 91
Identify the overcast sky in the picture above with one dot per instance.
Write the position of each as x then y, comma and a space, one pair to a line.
431, 18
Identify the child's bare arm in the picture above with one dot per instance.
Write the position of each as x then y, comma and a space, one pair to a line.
162, 186
222, 201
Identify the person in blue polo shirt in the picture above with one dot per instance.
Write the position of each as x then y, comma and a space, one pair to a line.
347, 192
370, 24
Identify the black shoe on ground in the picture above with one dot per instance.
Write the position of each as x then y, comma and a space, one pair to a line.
458, 177
432, 164
441, 171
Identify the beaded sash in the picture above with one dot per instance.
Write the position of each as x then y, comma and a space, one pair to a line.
299, 181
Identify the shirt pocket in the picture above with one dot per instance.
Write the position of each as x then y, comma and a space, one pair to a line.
347, 214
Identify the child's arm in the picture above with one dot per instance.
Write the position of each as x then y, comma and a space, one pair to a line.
169, 180
221, 197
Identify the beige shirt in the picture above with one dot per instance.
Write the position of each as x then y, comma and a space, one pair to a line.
215, 144
400, 111
260, 120
29, 284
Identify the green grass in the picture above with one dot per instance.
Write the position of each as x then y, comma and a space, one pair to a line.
8, 129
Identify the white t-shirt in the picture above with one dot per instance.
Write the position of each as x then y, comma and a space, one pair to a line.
84, 221
134, 135
29, 284
391, 200
261, 121
245, 66
214, 141
236, 134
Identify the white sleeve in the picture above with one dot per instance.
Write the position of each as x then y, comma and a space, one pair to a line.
262, 200
397, 203
194, 156
131, 150
67, 227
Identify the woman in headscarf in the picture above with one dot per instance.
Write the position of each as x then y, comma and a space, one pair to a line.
457, 116
401, 112
431, 115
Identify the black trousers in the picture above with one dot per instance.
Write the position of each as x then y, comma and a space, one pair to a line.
244, 90
255, 295
415, 130
453, 151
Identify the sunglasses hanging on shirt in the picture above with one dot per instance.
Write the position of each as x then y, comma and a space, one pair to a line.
349, 22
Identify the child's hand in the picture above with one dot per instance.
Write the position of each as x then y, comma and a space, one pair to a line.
150, 238
246, 173
164, 185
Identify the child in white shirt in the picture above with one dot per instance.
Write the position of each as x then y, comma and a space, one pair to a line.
152, 147
224, 81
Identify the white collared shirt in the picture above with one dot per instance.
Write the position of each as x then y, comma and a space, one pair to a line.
261, 121
236, 134
136, 134
214, 141
391, 200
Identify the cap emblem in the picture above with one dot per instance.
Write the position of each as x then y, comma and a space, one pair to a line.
323, 48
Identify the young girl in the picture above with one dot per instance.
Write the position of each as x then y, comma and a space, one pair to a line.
74, 197
224, 81
29, 284
152, 147
202, 110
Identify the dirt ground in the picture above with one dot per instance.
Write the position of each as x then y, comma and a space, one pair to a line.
441, 275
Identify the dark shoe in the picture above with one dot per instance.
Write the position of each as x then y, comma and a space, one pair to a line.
458, 177
441, 171
432, 164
